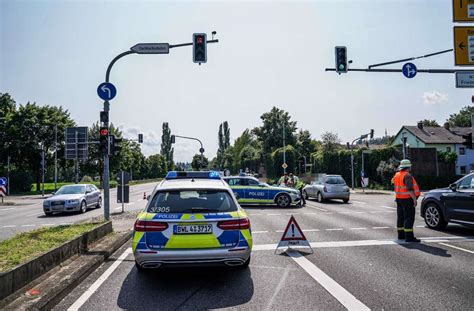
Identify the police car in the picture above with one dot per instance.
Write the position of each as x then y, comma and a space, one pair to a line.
249, 190
192, 218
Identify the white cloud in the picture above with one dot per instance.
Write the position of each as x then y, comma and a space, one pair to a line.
434, 98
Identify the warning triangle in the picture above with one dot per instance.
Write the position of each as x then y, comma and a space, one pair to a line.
293, 231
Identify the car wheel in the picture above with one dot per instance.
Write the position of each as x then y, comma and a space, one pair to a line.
48, 213
83, 207
99, 203
283, 200
434, 218
320, 197
305, 194
345, 200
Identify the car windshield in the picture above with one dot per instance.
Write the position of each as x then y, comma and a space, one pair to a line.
336, 180
192, 201
77, 189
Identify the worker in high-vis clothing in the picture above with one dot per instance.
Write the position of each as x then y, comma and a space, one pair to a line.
406, 194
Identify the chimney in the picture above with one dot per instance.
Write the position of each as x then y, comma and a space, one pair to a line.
446, 125
420, 125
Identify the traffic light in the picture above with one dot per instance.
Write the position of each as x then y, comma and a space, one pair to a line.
468, 141
173, 139
199, 48
140, 138
104, 134
341, 59
371, 133
104, 117
115, 146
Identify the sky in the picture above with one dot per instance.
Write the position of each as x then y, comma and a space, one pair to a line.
269, 54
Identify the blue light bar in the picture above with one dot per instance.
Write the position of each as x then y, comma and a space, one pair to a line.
194, 175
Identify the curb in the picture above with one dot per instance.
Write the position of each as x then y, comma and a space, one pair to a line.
55, 286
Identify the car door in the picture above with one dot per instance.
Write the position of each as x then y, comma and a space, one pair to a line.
254, 191
311, 189
90, 196
237, 187
96, 193
461, 202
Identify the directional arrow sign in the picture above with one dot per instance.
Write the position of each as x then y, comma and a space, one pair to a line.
464, 46
106, 91
151, 48
463, 11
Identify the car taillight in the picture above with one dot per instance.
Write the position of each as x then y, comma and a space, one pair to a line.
147, 226
237, 224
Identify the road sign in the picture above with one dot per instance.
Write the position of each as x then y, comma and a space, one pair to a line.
151, 48
125, 191
106, 91
3, 192
76, 143
284, 165
463, 11
463, 46
293, 236
3, 181
465, 79
409, 70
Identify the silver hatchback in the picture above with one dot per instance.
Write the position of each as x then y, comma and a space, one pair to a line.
73, 198
328, 187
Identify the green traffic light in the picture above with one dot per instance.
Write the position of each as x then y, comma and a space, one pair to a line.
341, 66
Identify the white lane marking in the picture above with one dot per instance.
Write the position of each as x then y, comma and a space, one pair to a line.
266, 247
420, 226
458, 248
27, 225
35, 214
377, 228
273, 214
6, 209
335, 229
318, 208
358, 228
390, 207
47, 224
348, 212
255, 232
278, 288
130, 203
337, 291
358, 202
91, 290
279, 230
327, 213
311, 230
10, 226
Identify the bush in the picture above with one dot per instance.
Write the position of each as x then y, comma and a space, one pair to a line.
87, 179
20, 181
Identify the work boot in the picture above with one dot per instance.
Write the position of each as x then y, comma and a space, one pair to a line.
401, 234
411, 238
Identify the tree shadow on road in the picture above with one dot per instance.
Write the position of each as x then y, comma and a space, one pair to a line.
186, 288
433, 250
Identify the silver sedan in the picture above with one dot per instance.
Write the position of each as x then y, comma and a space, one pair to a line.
73, 198
328, 187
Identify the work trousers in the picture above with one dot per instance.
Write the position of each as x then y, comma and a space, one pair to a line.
303, 200
405, 214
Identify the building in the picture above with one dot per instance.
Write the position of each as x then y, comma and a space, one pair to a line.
443, 139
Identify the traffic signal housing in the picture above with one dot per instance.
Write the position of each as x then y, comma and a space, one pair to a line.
103, 139
140, 138
468, 141
173, 139
115, 145
341, 59
371, 134
199, 48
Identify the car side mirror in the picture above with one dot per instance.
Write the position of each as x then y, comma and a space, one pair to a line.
453, 187
148, 197
236, 195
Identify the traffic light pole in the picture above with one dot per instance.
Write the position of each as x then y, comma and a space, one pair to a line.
201, 150
106, 177
399, 70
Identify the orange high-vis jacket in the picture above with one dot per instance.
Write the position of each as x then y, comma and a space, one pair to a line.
401, 191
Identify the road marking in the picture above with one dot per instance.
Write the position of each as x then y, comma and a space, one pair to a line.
358, 228
139, 200
420, 226
377, 228
35, 214
279, 231
130, 203
6, 209
458, 248
273, 214
311, 230
335, 229
11, 226
318, 208
333, 288
278, 288
358, 202
266, 247
27, 225
384, 206
118, 207
310, 213
48, 225
255, 232
91, 290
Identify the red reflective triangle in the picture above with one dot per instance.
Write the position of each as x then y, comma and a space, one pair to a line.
293, 231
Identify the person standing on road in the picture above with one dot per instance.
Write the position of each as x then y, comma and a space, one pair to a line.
283, 181
406, 196
299, 185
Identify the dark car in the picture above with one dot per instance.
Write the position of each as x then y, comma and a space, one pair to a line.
454, 204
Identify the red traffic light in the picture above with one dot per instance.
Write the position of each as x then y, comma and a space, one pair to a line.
104, 132
199, 39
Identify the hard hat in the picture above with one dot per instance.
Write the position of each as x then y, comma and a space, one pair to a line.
405, 163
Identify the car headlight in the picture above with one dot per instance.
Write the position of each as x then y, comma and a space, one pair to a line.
72, 201
46, 203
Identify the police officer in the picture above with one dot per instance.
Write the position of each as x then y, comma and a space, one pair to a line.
299, 185
406, 194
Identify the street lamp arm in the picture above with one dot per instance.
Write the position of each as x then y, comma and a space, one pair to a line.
186, 137
109, 68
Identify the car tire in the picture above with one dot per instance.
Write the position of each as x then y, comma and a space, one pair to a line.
99, 203
283, 200
345, 200
48, 213
305, 194
320, 197
434, 217
83, 207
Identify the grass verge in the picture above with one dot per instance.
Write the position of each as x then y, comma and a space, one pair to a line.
28, 245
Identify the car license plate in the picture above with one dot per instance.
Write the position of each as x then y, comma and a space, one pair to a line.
192, 229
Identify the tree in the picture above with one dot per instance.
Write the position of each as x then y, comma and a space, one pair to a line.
167, 149
330, 141
462, 118
224, 143
432, 123
156, 166
196, 163
304, 145
290, 158
7, 111
247, 138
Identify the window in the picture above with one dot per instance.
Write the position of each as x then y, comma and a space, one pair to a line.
462, 151
448, 149
253, 182
192, 201
467, 183
233, 181
462, 170
335, 181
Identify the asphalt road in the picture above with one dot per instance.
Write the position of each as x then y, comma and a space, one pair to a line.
356, 265
21, 218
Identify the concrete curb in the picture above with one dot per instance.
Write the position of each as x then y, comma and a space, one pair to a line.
45, 294
19, 276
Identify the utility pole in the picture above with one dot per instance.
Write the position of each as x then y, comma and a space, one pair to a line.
42, 170
8, 175
201, 150
55, 157
284, 150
